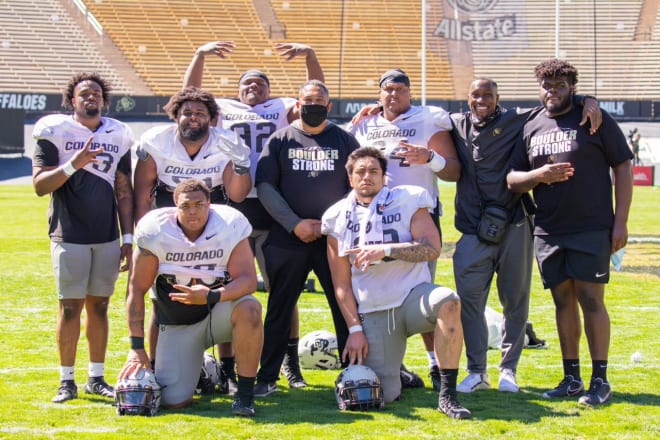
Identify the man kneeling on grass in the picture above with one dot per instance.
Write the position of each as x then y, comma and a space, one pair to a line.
380, 240
200, 260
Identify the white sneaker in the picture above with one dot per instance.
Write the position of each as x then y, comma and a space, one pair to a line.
508, 381
474, 382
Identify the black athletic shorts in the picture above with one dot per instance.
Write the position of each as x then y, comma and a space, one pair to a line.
583, 256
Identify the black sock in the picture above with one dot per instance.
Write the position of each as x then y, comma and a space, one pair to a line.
291, 356
228, 364
599, 369
245, 386
448, 379
572, 367
292, 346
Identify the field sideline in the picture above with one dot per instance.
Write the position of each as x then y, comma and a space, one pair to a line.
29, 375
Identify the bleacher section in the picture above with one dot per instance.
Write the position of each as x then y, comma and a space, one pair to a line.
611, 63
355, 40
377, 35
41, 47
160, 37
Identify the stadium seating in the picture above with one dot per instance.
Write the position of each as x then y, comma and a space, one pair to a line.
41, 46
356, 40
610, 62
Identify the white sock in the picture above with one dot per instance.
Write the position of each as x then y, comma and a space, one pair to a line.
96, 369
433, 362
66, 373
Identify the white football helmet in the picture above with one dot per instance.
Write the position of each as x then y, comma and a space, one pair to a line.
358, 388
318, 350
138, 394
209, 377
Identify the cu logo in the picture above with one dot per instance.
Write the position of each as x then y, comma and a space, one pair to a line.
472, 6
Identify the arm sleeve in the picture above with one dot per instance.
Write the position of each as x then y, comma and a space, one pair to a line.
45, 154
276, 206
519, 160
125, 163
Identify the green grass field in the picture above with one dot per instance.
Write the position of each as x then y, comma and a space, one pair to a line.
29, 363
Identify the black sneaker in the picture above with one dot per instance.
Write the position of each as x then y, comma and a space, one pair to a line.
410, 379
568, 387
599, 393
450, 406
263, 389
97, 385
291, 370
243, 406
434, 374
67, 391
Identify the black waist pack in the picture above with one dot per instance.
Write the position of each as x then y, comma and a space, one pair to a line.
493, 224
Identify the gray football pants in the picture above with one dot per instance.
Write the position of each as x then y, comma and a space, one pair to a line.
475, 264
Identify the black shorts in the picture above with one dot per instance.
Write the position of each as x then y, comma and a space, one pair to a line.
583, 256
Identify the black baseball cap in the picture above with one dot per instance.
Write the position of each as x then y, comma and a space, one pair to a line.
394, 75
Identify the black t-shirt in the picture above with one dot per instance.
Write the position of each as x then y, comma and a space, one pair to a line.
584, 201
84, 209
308, 170
485, 160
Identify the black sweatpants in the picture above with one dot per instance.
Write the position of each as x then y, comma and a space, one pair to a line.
288, 263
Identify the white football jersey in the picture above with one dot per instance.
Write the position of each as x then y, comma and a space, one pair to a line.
255, 124
70, 136
384, 285
207, 257
173, 164
416, 126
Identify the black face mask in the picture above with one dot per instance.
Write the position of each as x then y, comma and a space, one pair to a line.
313, 114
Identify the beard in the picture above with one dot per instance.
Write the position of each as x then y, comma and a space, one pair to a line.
561, 107
194, 134
92, 112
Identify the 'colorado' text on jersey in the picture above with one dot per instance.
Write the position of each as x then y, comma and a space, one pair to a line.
385, 285
84, 209
181, 260
416, 126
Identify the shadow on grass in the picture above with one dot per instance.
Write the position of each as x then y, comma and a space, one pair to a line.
316, 405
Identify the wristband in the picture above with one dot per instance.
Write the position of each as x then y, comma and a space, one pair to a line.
68, 169
354, 328
387, 250
137, 342
239, 170
213, 297
437, 163
127, 239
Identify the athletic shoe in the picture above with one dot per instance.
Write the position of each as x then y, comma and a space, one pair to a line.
450, 406
243, 406
67, 391
599, 393
310, 285
410, 379
434, 374
291, 370
568, 387
508, 381
263, 389
98, 386
474, 382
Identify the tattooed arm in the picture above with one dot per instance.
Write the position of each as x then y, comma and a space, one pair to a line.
425, 244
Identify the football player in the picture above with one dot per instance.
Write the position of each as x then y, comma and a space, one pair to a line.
83, 161
254, 117
198, 258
